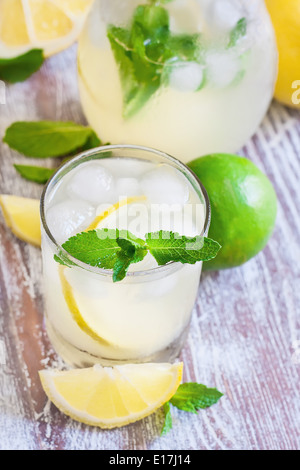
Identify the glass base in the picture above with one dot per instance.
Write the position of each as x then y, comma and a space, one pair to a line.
79, 358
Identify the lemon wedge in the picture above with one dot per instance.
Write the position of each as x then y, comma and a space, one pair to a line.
111, 397
22, 216
51, 25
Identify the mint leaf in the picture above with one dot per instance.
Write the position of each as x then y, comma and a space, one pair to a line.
238, 32
42, 139
22, 67
190, 397
133, 250
138, 77
63, 260
37, 174
97, 248
141, 249
169, 246
167, 419
153, 21
124, 259
193, 396
185, 46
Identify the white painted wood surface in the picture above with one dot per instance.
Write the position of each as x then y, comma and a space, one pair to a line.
245, 332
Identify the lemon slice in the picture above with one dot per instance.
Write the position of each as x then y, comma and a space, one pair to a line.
75, 311
51, 25
111, 397
22, 216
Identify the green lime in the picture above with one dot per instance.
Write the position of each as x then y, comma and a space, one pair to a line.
243, 207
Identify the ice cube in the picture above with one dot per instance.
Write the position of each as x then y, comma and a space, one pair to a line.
68, 218
225, 14
92, 183
127, 187
222, 68
186, 76
165, 185
124, 167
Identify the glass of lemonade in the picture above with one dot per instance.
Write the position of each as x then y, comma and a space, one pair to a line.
189, 77
145, 317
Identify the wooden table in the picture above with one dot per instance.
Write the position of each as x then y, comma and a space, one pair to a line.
245, 331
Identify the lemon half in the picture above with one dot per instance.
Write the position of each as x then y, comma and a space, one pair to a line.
285, 15
111, 397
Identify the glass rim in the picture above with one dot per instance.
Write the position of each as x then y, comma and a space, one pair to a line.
98, 150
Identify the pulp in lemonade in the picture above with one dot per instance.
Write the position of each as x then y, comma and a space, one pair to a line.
89, 318
208, 90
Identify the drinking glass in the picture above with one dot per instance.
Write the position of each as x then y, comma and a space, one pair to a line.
145, 317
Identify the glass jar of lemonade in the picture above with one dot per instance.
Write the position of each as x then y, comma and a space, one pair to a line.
145, 317
188, 77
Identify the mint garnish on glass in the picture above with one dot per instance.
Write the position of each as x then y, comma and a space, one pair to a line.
116, 250
146, 51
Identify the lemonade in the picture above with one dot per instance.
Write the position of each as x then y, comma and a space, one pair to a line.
188, 77
145, 317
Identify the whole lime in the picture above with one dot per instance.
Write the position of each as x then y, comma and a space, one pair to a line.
243, 207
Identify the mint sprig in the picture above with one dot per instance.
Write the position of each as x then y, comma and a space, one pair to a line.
143, 51
22, 67
190, 397
116, 249
43, 139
